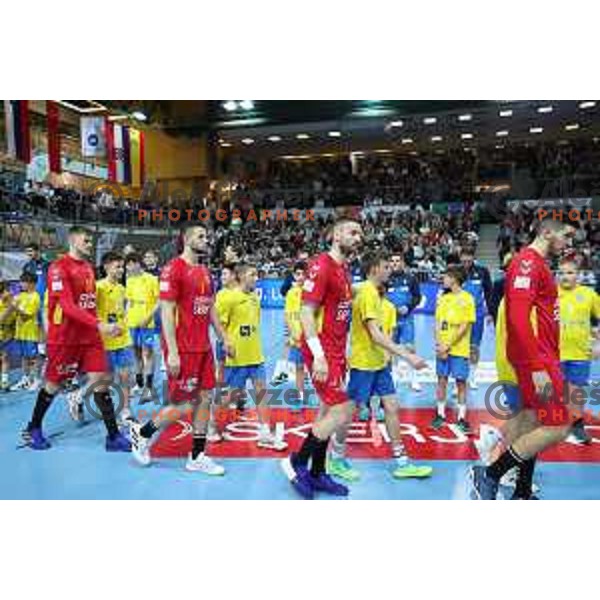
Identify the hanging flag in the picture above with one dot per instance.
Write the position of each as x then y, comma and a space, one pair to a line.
119, 154
93, 137
134, 139
126, 156
18, 138
52, 118
109, 132
142, 158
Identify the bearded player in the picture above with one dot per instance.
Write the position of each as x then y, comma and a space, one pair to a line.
545, 419
325, 317
74, 340
187, 311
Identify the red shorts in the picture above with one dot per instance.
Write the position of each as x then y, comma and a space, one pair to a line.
332, 391
552, 409
197, 373
64, 362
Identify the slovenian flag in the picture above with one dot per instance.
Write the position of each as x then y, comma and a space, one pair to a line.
125, 154
18, 138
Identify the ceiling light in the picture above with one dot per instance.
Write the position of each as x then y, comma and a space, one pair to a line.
465, 117
506, 113
407, 140
572, 126
334, 134
247, 141
536, 129
246, 104
429, 120
466, 136
274, 138
587, 104
396, 123
225, 145
436, 138
230, 105
139, 115
545, 109
499, 147
502, 133
302, 136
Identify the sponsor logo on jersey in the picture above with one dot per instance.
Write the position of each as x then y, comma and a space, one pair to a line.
522, 283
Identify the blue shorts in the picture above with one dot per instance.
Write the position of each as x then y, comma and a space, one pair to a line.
512, 397
405, 331
8, 346
577, 372
219, 351
453, 366
477, 331
120, 359
363, 385
236, 377
295, 356
26, 348
143, 337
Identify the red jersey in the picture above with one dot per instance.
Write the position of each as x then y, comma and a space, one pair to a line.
190, 286
72, 318
530, 286
328, 285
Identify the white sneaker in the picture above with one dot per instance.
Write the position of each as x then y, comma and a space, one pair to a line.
22, 384
136, 390
489, 437
140, 446
75, 403
204, 464
416, 386
268, 440
473, 385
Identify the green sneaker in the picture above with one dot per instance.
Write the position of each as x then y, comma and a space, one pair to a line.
341, 467
438, 422
364, 413
409, 470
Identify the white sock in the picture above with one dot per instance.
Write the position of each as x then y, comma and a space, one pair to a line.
4, 378
264, 429
337, 448
441, 409
462, 411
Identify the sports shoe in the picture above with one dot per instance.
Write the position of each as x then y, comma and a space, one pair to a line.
326, 484
483, 486
279, 379
22, 384
75, 403
299, 477
409, 470
342, 468
364, 413
118, 444
509, 480
579, 434
204, 464
269, 440
4, 386
34, 385
438, 422
37, 441
415, 386
464, 426
140, 446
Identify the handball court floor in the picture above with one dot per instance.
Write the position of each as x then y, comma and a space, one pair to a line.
77, 467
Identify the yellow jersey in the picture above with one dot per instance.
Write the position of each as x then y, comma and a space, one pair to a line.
367, 305
110, 305
293, 305
142, 293
452, 311
27, 325
390, 317
7, 326
241, 319
577, 307
221, 301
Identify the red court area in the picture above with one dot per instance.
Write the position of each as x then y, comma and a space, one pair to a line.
365, 440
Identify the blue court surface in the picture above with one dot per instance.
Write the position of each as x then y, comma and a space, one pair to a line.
77, 467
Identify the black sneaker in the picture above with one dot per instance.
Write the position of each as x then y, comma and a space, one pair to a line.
580, 434
438, 422
464, 426
280, 379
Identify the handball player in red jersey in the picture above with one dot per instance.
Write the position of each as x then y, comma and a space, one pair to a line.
187, 312
325, 317
74, 343
531, 295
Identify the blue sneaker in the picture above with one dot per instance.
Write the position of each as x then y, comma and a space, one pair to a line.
37, 441
325, 483
299, 477
484, 487
118, 444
